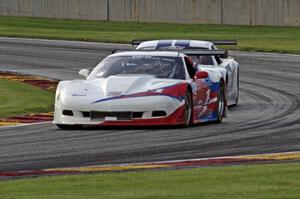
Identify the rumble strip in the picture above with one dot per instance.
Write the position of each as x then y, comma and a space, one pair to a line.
177, 164
40, 82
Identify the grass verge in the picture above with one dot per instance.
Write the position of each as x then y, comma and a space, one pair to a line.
19, 98
252, 181
259, 38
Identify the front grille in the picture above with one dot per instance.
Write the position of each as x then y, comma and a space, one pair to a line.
137, 114
117, 115
86, 114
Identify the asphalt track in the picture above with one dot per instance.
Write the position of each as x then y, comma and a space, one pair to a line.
266, 120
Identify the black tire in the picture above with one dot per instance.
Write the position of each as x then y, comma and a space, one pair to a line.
221, 103
69, 127
238, 90
188, 109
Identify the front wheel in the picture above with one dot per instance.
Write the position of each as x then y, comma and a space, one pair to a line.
221, 100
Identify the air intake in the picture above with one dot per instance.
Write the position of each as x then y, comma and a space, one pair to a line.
158, 113
68, 112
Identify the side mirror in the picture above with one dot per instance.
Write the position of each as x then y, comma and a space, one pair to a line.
84, 72
201, 75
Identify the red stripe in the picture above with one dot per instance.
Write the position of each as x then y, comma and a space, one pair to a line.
176, 117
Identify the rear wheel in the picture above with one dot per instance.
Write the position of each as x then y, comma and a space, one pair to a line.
69, 127
237, 90
188, 108
221, 103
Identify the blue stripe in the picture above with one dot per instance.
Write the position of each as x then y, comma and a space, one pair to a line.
214, 86
209, 117
214, 115
166, 87
107, 99
164, 43
179, 98
183, 43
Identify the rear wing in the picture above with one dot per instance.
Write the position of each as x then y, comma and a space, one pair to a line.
220, 53
195, 52
137, 42
224, 42
204, 52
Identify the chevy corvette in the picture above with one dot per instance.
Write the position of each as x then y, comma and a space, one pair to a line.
226, 65
136, 88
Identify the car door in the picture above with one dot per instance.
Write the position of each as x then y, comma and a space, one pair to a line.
225, 64
200, 87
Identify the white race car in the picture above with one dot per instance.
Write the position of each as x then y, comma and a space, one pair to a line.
143, 88
226, 65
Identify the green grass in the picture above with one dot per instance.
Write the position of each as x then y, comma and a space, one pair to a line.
259, 38
271, 181
19, 98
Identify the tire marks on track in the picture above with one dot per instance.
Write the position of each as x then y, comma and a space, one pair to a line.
265, 121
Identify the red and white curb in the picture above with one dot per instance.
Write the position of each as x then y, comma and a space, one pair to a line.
244, 159
26, 119
40, 82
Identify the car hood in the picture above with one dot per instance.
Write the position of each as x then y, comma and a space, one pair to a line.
97, 89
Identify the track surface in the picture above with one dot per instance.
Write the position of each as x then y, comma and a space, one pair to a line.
266, 120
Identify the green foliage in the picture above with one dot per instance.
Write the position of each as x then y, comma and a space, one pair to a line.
230, 182
258, 38
19, 98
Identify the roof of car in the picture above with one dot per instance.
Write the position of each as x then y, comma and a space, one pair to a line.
158, 44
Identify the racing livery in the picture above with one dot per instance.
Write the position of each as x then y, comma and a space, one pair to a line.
143, 88
226, 65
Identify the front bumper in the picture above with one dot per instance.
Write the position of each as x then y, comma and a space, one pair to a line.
141, 111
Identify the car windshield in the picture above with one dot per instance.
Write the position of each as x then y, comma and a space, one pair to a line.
202, 59
158, 66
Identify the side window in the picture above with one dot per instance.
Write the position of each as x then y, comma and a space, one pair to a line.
190, 66
202, 59
218, 60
